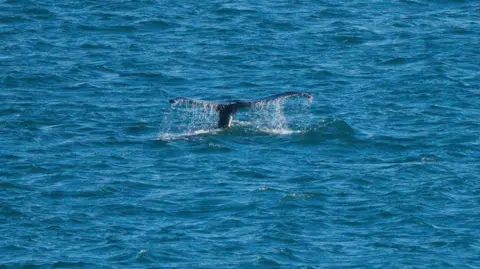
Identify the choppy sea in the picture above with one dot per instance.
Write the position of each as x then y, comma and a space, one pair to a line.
381, 170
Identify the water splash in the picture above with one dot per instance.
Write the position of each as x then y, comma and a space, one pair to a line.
270, 116
186, 119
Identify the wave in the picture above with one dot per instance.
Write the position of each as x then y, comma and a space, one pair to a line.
330, 128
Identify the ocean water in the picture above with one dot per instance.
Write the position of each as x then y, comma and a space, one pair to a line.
381, 170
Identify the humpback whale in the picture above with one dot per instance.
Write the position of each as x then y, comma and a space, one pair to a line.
227, 109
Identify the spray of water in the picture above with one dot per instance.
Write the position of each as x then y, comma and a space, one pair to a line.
184, 120
187, 119
269, 116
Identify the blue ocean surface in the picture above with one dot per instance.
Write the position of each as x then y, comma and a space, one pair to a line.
380, 170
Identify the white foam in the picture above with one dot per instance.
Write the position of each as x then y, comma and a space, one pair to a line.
174, 136
280, 131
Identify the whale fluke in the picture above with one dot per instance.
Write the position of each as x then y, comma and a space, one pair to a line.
227, 109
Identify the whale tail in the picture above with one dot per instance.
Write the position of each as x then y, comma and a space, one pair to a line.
226, 110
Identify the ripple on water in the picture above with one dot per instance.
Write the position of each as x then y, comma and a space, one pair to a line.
98, 171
